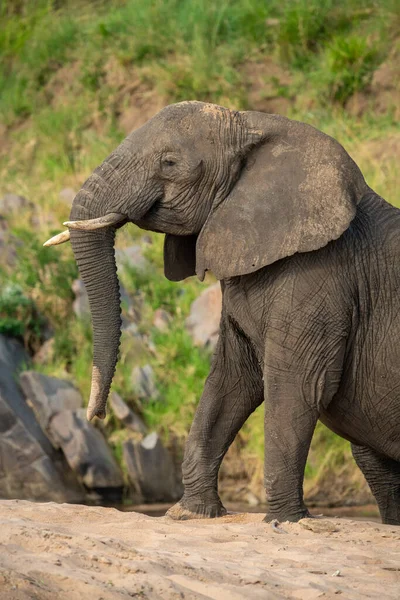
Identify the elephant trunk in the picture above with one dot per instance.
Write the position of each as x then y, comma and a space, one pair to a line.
95, 256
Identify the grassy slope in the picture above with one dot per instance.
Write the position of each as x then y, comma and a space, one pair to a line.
68, 76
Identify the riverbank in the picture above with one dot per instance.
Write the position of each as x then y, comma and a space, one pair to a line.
367, 512
74, 552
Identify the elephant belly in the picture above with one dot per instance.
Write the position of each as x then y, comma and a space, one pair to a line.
366, 409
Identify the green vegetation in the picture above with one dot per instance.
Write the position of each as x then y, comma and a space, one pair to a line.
18, 315
70, 71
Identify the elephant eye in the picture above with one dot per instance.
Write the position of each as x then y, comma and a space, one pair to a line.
167, 162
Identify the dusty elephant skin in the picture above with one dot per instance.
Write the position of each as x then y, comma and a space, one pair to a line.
307, 255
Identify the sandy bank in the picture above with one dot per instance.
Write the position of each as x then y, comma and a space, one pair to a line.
66, 552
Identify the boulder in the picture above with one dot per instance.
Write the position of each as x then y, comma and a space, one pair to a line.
150, 468
13, 358
45, 354
125, 414
30, 468
67, 196
8, 245
81, 303
162, 320
26, 471
86, 451
130, 309
143, 382
131, 329
205, 314
13, 203
48, 396
132, 257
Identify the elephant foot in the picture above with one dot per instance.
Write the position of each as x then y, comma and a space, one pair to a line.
182, 511
292, 517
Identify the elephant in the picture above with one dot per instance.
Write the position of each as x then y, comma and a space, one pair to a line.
307, 255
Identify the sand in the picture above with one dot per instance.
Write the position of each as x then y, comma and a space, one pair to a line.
71, 552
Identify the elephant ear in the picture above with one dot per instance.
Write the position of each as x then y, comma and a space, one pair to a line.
179, 256
297, 191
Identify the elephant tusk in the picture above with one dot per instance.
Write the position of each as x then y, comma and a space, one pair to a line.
60, 238
91, 224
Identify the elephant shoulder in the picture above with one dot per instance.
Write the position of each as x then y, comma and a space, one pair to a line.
376, 224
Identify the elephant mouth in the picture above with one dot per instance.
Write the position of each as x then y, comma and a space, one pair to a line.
162, 219
109, 220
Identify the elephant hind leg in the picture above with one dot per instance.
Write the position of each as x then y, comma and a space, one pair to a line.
383, 477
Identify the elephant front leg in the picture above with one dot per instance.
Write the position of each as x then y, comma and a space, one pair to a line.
302, 373
232, 392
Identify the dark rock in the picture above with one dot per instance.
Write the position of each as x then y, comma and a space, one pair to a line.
86, 450
26, 471
30, 468
125, 414
151, 469
205, 314
13, 358
48, 396
143, 382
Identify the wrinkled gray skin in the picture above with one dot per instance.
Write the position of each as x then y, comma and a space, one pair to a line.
308, 257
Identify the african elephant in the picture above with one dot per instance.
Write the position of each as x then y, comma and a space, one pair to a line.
308, 258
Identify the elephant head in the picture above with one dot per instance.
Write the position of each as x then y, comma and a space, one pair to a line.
233, 191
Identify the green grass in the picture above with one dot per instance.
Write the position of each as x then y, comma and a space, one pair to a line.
350, 61
19, 317
69, 68
193, 46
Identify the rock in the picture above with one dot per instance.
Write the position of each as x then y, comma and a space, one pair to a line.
26, 471
150, 467
131, 257
162, 320
67, 196
205, 314
318, 526
12, 203
45, 354
81, 307
86, 450
8, 245
81, 303
144, 383
146, 239
29, 466
48, 396
12, 359
131, 308
125, 414
131, 329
